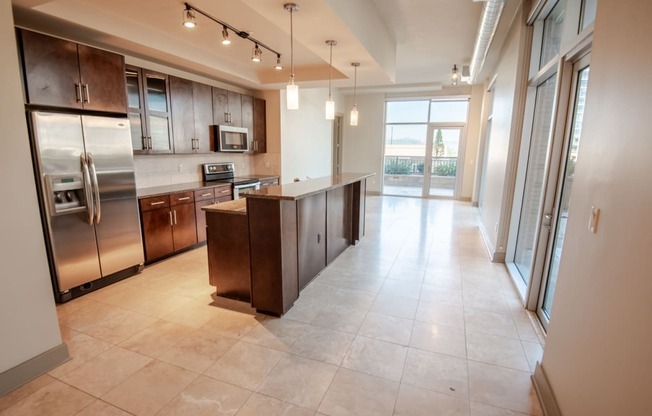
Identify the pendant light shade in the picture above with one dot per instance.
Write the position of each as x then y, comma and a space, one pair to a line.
292, 89
330, 104
354, 110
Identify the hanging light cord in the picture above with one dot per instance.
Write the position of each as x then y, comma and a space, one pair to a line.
330, 70
355, 82
291, 45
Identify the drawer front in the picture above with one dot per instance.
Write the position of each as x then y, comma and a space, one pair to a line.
182, 198
204, 194
268, 182
223, 199
223, 191
154, 202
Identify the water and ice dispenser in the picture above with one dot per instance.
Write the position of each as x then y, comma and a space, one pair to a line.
66, 193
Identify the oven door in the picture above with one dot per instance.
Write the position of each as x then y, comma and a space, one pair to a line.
240, 190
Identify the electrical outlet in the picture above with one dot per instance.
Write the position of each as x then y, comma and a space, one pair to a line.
180, 168
267, 165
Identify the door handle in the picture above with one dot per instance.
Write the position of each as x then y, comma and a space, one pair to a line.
96, 189
87, 95
78, 92
87, 190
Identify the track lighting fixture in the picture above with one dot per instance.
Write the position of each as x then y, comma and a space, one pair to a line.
225, 36
189, 17
330, 104
354, 110
292, 89
455, 77
256, 53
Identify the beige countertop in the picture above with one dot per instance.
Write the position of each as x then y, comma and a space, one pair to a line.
237, 207
191, 186
302, 189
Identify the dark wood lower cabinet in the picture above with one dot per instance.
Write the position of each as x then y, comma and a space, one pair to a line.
339, 209
184, 228
311, 224
200, 217
157, 233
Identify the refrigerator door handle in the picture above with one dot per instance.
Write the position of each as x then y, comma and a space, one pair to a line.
96, 189
87, 189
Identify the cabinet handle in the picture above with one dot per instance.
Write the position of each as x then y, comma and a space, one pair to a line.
149, 142
87, 95
175, 216
156, 203
171, 223
183, 199
208, 194
144, 142
226, 191
78, 92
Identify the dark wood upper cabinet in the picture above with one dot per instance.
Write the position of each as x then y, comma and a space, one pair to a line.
203, 109
220, 106
235, 108
248, 113
259, 131
61, 73
183, 120
149, 111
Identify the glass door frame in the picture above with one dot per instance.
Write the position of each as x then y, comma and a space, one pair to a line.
543, 257
461, 150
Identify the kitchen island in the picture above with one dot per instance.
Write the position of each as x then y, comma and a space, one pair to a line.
293, 230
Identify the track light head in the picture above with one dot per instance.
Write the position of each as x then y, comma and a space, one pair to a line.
256, 54
278, 66
225, 36
189, 17
455, 77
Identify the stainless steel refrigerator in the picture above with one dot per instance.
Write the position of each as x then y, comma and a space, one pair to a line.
85, 171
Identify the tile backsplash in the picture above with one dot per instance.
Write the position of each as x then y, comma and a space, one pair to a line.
158, 170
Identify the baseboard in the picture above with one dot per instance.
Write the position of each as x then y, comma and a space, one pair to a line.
494, 256
544, 391
498, 257
32, 368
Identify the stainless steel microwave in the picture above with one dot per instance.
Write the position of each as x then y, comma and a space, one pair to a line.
230, 138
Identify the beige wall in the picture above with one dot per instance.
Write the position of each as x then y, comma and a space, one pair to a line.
364, 145
598, 354
28, 321
502, 148
306, 137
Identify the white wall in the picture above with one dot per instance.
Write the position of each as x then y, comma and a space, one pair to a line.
472, 140
598, 354
28, 321
306, 137
362, 149
502, 146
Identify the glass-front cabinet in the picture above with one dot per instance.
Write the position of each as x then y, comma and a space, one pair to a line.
149, 111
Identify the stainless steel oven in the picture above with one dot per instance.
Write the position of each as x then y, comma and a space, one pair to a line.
224, 172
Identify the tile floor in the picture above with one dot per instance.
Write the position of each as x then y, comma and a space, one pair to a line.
412, 321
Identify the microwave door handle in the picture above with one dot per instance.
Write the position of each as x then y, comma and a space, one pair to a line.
87, 189
96, 189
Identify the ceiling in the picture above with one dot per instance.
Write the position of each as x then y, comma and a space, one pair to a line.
404, 43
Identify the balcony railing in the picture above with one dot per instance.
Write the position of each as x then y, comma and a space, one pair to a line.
411, 165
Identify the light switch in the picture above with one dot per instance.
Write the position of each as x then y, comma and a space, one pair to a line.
593, 219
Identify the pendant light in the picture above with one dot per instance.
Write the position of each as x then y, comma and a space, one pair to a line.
454, 75
292, 89
354, 110
330, 104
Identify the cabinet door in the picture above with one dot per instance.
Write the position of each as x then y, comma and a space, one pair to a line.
51, 70
220, 106
184, 229
157, 107
235, 108
103, 81
259, 131
136, 110
248, 114
200, 217
202, 102
311, 223
157, 233
183, 124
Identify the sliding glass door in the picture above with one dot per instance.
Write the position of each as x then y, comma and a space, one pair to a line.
559, 217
